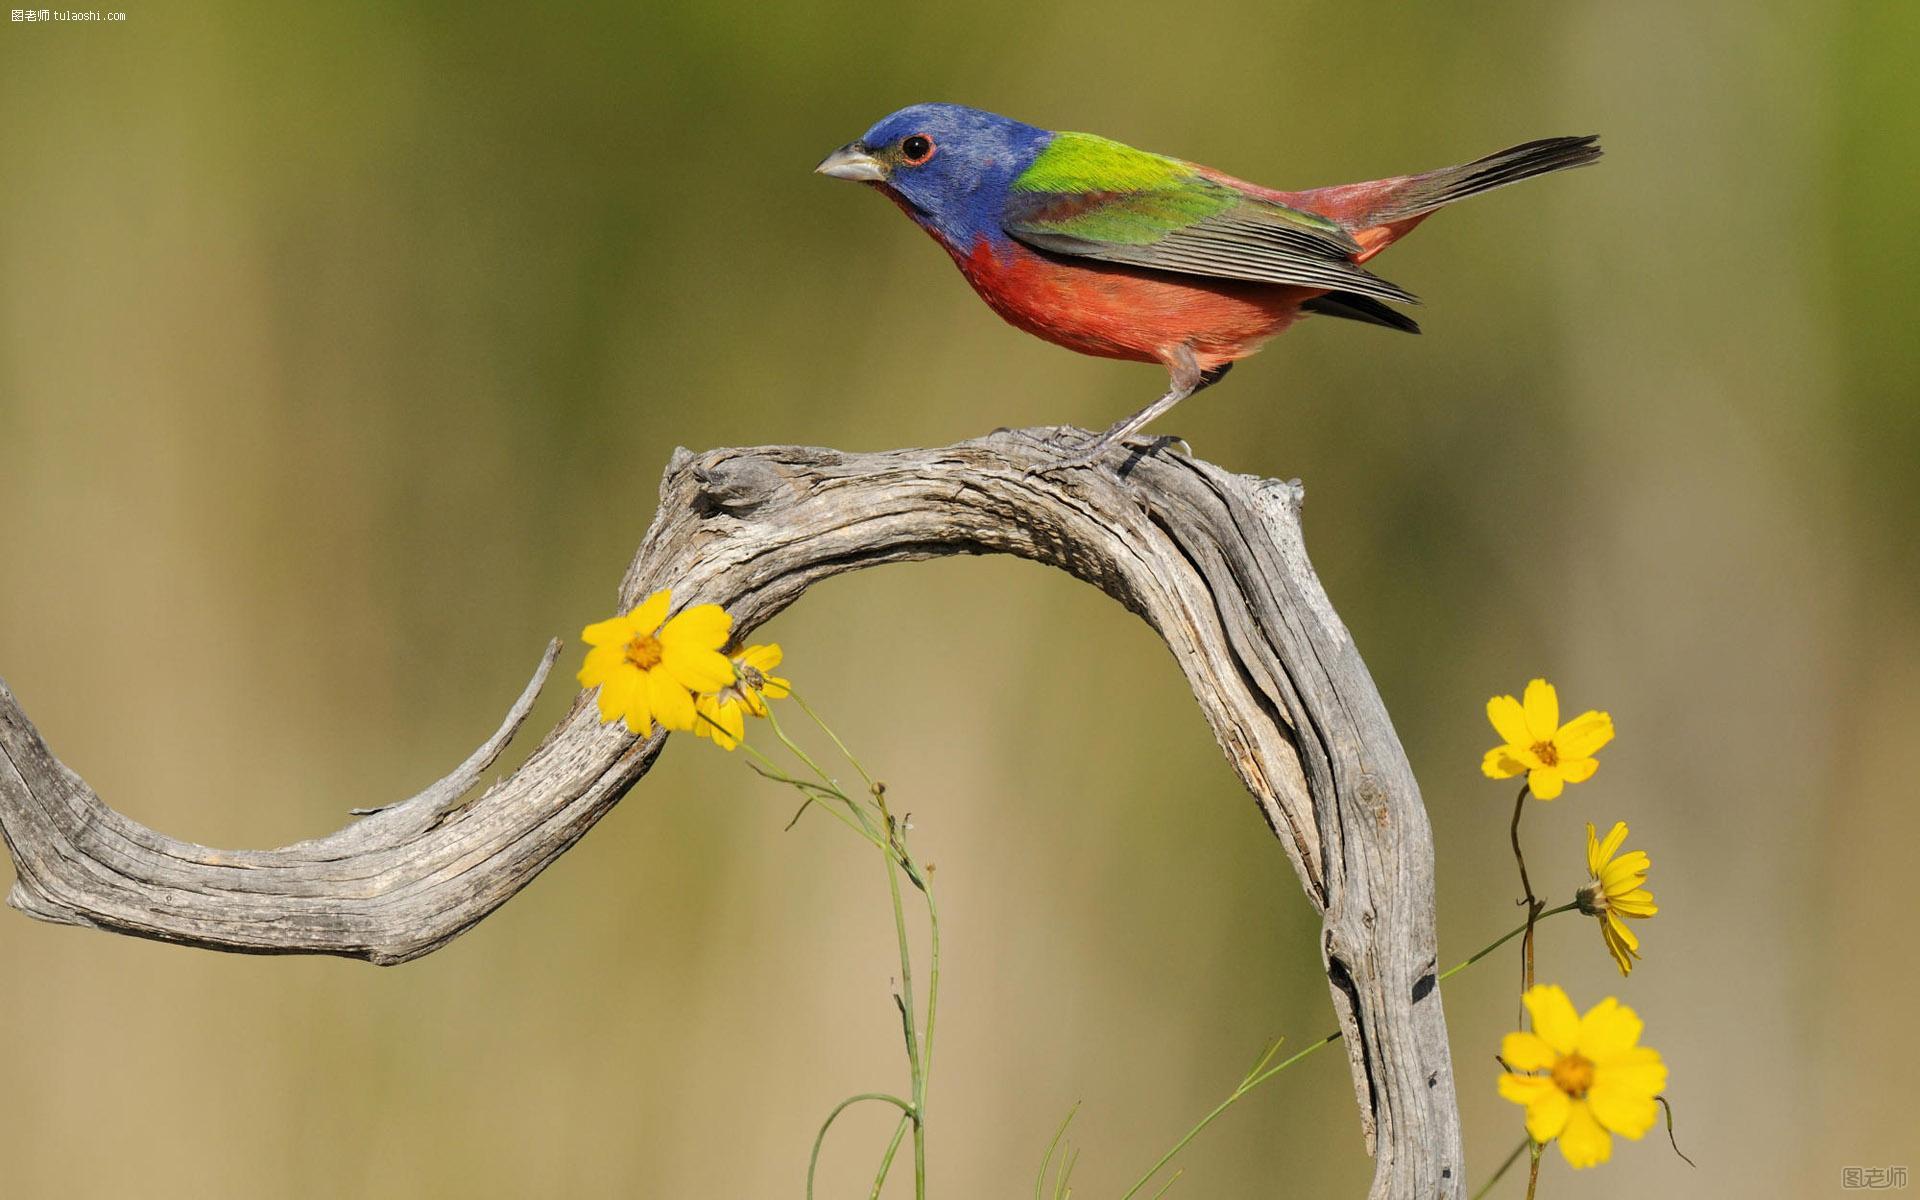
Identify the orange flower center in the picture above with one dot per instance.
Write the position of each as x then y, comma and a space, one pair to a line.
644, 652
1547, 753
1573, 1075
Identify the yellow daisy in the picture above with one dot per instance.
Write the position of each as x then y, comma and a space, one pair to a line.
647, 667
1550, 754
1598, 1080
723, 713
1618, 890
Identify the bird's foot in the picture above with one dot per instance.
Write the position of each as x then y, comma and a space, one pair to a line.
1165, 441
1088, 453
1060, 466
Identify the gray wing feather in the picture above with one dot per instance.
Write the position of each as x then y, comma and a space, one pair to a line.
1243, 243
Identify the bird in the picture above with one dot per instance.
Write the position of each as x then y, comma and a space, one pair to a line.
1122, 253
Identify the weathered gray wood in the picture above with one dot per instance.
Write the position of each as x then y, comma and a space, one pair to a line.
1213, 561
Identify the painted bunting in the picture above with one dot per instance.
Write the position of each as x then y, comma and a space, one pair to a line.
1116, 252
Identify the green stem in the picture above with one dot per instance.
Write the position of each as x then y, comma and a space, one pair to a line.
807, 787
926, 1046
905, 998
1504, 1167
831, 784
820, 1138
1254, 1079
1511, 934
933, 993
1513, 832
802, 755
1261, 1072
889, 839
916, 1066
1534, 905
828, 730
1257, 1080
886, 1160
1040, 1184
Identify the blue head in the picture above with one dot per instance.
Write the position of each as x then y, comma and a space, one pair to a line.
949, 165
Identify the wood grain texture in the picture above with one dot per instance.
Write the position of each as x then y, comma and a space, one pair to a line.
1213, 561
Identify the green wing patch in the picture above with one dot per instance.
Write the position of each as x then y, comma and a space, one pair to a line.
1085, 162
1090, 197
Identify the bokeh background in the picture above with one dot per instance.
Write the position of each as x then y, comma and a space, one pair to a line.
341, 349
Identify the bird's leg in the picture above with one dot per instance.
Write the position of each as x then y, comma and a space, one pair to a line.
1186, 379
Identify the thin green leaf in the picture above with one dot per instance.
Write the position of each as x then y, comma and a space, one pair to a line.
1670, 1138
1040, 1183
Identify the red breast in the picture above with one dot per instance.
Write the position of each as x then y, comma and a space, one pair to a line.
1115, 311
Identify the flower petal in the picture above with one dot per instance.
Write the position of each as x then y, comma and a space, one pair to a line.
1547, 1106
1583, 735
1637, 904
720, 720
615, 690
1509, 720
1577, 770
777, 688
603, 662
1625, 873
1553, 1016
1620, 943
705, 709
1545, 782
735, 724
1547, 1115
1582, 1141
672, 705
639, 711
647, 615
1501, 764
1527, 1052
762, 658
1609, 1030
1599, 853
702, 627
1638, 1070
1524, 1089
1622, 956
1628, 1112
1542, 705
614, 631
695, 669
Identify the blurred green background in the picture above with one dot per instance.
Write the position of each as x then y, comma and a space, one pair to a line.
342, 346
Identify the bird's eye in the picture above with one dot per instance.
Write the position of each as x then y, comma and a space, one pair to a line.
916, 149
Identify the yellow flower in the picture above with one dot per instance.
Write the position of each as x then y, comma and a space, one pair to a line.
1598, 1080
647, 667
1551, 755
722, 713
1618, 890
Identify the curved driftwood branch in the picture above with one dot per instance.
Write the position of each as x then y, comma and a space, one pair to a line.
1213, 561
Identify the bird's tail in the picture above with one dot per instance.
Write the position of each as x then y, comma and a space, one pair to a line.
1380, 212
1418, 195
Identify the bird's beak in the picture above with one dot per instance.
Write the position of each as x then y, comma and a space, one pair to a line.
852, 161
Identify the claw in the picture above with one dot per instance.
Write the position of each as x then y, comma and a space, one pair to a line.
1165, 441
1094, 449
1074, 462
